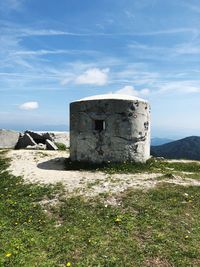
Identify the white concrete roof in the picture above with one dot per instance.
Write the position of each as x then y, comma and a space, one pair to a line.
112, 96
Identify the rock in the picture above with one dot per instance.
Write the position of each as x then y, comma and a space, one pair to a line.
31, 147
24, 141
52, 135
8, 139
47, 136
37, 147
50, 145
41, 146
39, 137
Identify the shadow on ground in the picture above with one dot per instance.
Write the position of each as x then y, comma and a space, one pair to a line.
65, 164
58, 164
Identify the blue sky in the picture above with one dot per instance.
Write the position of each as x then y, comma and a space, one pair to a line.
55, 52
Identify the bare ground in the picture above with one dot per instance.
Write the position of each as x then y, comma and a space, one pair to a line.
48, 167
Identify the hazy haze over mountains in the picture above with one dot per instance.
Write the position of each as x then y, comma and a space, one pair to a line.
156, 141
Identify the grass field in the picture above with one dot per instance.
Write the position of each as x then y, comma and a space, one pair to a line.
42, 226
153, 165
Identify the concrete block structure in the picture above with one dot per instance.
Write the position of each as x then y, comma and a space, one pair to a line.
111, 127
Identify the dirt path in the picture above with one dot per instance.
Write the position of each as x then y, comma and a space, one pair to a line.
48, 167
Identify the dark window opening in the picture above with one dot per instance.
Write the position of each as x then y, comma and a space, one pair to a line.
99, 125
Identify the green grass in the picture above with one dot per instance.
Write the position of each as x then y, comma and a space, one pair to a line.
192, 176
166, 176
153, 165
160, 227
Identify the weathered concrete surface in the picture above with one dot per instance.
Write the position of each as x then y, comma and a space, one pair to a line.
126, 136
50, 145
24, 141
39, 137
8, 139
37, 147
56, 137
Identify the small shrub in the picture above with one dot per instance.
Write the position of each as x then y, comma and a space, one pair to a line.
61, 146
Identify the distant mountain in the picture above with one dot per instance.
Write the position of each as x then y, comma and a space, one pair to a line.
156, 141
186, 148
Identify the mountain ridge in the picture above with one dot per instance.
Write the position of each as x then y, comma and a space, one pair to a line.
186, 148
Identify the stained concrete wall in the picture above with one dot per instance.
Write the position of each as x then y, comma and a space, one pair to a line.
126, 136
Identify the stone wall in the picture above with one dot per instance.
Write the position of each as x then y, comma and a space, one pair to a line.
125, 135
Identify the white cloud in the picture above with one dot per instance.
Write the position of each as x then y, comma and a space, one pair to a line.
188, 48
187, 87
156, 52
41, 32
130, 90
39, 52
29, 105
171, 31
93, 76
38, 32
144, 91
52, 32
43, 52
136, 75
65, 81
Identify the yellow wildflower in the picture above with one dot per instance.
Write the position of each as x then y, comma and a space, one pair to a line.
68, 264
118, 220
8, 254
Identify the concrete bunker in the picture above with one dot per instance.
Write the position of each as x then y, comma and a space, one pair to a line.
110, 127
